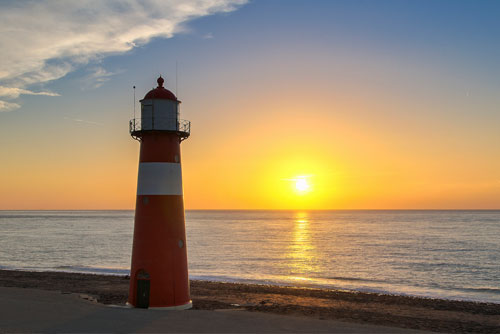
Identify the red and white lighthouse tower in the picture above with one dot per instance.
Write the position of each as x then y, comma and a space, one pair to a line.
159, 271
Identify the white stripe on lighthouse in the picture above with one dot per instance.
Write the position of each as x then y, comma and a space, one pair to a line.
159, 178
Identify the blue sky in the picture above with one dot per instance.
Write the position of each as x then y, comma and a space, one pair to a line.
458, 36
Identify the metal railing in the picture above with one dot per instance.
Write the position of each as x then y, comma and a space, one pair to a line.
181, 126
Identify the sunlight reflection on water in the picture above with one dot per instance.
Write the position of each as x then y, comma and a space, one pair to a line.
301, 250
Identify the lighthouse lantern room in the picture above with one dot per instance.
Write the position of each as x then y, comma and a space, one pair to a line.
159, 271
160, 112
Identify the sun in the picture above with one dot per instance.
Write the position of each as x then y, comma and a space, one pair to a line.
302, 186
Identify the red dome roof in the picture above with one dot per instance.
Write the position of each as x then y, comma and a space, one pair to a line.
160, 93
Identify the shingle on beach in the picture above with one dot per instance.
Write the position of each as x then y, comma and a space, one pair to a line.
351, 307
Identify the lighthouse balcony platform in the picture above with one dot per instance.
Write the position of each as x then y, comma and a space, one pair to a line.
138, 126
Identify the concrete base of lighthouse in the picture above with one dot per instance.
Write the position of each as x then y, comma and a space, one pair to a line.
186, 306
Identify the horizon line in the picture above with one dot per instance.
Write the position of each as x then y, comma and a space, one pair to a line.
492, 209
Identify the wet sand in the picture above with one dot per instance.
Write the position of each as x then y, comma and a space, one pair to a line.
360, 308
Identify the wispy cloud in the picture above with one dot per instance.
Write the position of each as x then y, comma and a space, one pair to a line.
8, 106
13, 92
45, 40
208, 36
98, 76
78, 120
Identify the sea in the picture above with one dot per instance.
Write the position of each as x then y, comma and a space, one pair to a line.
436, 254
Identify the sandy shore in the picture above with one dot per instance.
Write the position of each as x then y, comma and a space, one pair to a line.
362, 308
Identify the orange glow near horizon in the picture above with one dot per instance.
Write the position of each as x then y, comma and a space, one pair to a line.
339, 168
340, 154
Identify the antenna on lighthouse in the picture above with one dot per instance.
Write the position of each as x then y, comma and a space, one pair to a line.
176, 78
134, 103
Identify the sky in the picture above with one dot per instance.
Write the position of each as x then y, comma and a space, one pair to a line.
371, 104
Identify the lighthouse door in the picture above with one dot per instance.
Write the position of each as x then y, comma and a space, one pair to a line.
143, 287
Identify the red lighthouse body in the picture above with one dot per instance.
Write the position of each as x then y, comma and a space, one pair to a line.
159, 271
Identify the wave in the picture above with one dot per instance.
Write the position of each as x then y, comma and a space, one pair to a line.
93, 270
72, 269
482, 289
353, 279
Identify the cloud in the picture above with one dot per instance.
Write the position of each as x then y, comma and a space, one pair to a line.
13, 92
208, 36
83, 121
8, 106
44, 40
98, 76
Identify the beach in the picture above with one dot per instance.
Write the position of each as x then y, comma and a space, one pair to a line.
399, 312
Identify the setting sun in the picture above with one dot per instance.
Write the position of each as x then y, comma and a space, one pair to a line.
302, 186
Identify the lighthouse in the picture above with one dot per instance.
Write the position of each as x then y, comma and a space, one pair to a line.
159, 271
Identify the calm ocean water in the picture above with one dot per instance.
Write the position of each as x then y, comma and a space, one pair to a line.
445, 254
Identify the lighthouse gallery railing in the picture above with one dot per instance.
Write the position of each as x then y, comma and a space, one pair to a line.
181, 126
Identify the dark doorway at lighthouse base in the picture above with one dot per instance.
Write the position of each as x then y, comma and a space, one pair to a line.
142, 293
